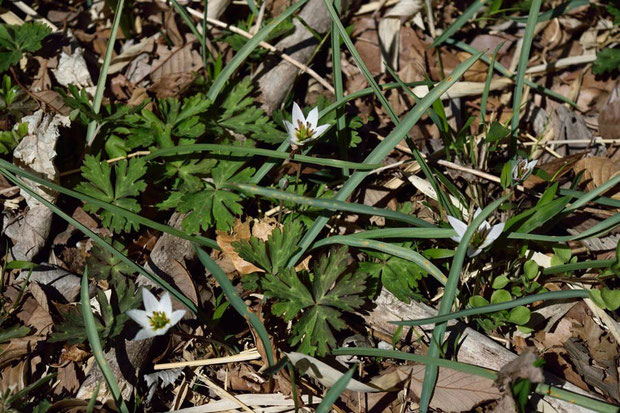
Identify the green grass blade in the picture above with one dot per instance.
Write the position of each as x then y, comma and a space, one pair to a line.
24, 392
329, 204
239, 150
95, 345
492, 308
93, 399
341, 122
555, 12
430, 373
544, 389
600, 200
487, 85
463, 18
589, 196
576, 398
245, 51
404, 233
190, 24
395, 250
521, 68
206, 242
101, 242
385, 147
416, 358
334, 393
236, 301
595, 231
501, 69
103, 74
576, 266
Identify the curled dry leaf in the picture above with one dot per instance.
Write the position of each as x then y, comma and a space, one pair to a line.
596, 171
240, 232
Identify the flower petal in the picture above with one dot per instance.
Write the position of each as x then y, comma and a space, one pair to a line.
459, 226
532, 164
313, 118
140, 317
289, 128
165, 304
493, 234
473, 252
294, 141
319, 130
478, 211
298, 115
144, 333
176, 316
485, 226
150, 301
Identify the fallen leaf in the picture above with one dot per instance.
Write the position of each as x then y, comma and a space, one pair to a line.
240, 232
67, 379
72, 70
597, 171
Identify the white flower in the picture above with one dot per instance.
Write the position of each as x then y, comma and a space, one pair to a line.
158, 317
482, 238
521, 169
304, 130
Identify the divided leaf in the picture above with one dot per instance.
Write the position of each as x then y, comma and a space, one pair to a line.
120, 190
15, 40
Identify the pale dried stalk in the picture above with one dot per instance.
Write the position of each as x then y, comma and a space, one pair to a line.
244, 356
223, 393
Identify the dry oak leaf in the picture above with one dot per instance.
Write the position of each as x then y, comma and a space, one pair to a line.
597, 171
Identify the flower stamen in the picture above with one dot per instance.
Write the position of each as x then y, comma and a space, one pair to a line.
158, 320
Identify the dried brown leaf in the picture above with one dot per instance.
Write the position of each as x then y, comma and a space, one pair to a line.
240, 232
597, 171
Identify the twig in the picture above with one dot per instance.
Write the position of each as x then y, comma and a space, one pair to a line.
223, 393
244, 356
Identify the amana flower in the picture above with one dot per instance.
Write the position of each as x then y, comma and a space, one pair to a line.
521, 169
157, 316
304, 130
482, 238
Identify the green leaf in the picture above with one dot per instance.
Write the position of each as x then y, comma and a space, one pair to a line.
104, 265
320, 298
607, 61
519, 315
10, 139
122, 192
478, 301
500, 282
611, 298
398, 276
500, 296
15, 40
531, 269
272, 255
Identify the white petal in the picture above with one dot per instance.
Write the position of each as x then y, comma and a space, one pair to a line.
472, 253
515, 171
298, 115
289, 128
457, 239
494, 234
150, 301
532, 164
485, 226
459, 226
144, 333
313, 117
176, 316
165, 304
478, 211
294, 141
319, 130
140, 317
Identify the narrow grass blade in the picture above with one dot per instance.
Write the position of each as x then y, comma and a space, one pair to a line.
329, 204
245, 51
544, 389
404, 233
101, 242
190, 24
555, 12
103, 74
416, 358
339, 89
487, 86
236, 301
595, 231
576, 266
600, 200
334, 393
492, 308
463, 18
385, 147
576, 398
93, 399
95, 345
589, 196
501, 69
395, 250
430, 373
206, 242
520, 77
8, 401
239, 150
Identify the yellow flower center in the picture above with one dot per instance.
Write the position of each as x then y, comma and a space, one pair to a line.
303, 132
159, 320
